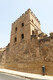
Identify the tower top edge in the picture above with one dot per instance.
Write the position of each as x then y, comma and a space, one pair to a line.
26, 12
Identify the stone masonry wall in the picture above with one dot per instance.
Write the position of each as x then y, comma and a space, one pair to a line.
30, 56
32, 52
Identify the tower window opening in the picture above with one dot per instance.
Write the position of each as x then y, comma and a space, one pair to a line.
15, 39
15, 29
32, 20
32, 32
22, 24
22, 36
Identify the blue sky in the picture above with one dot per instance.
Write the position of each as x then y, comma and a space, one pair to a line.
10, 10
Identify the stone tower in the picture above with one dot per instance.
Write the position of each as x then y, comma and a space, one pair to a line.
24, 27
29, 49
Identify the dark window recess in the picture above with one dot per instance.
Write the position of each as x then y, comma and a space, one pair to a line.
22, 24
32, 20
15, 39
22, 36
32, 32
15, 29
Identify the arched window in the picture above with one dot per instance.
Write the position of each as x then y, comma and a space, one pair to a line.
32, 32
22, 24
32, 20
16, 29
22, 36
15, 39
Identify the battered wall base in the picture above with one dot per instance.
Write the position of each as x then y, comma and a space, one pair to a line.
32, 67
